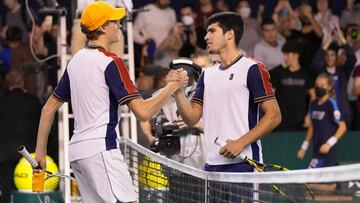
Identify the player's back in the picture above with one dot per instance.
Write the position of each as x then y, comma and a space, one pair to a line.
89, 92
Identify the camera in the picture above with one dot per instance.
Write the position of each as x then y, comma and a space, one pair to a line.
168, 136
167, 139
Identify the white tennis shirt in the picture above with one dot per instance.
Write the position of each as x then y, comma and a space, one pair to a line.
96, 82
231, 97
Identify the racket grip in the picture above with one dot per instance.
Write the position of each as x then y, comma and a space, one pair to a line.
24, 152
38, 179
222, 143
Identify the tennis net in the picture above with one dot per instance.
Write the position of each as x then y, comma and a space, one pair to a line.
159, 179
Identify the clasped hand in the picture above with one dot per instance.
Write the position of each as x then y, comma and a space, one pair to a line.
178, 76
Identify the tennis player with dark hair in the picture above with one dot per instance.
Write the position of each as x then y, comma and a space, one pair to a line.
97, 82
228, 97
327, 125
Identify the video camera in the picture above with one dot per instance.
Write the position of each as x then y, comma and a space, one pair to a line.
168, 135
167, 140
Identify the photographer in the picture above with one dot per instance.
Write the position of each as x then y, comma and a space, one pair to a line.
181, 40
166, 122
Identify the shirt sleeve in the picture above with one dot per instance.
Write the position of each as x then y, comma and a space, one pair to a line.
118, 79
258, 82
62, 90
199, 92
335, 111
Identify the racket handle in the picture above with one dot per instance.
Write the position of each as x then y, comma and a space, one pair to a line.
222, 143
24, 152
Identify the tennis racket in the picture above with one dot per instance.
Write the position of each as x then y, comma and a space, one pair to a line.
52, 180
259, 167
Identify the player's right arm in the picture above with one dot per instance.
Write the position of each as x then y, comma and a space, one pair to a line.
46, 120
59, 96
146, 109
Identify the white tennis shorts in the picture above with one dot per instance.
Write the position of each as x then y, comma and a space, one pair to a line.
104, 178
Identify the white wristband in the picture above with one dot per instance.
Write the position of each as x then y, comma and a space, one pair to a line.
305, 145
332, 141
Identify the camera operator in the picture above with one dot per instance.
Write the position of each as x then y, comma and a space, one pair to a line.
188, 16
191, 145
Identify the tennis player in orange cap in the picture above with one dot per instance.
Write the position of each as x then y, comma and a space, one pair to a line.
97, 82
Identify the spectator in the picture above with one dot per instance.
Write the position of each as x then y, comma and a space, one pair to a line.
325, 62
325, 18
351, 14
222, 5
19, 119
19, 51
170, 48
188, 16
17, 16
251, 35
310, 25
268, 49
286, 19
151, 25
310, 36
327, 125
292, 81
206, 10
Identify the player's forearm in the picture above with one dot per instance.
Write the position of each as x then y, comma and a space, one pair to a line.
186, 110
309, 134
146, 109
341, 130
46, 120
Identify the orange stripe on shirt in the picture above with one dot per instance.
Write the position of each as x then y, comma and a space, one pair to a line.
123, 72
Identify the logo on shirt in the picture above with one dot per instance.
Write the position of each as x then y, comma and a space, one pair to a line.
337, 115
293, 82
231, 76
318, 115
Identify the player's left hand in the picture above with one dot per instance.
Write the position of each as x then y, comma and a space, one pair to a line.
325, 148
232, 149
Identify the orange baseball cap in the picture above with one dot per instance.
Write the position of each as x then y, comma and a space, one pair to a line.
97, 13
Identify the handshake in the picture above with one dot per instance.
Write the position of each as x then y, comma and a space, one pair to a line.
177, 78
183, 73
